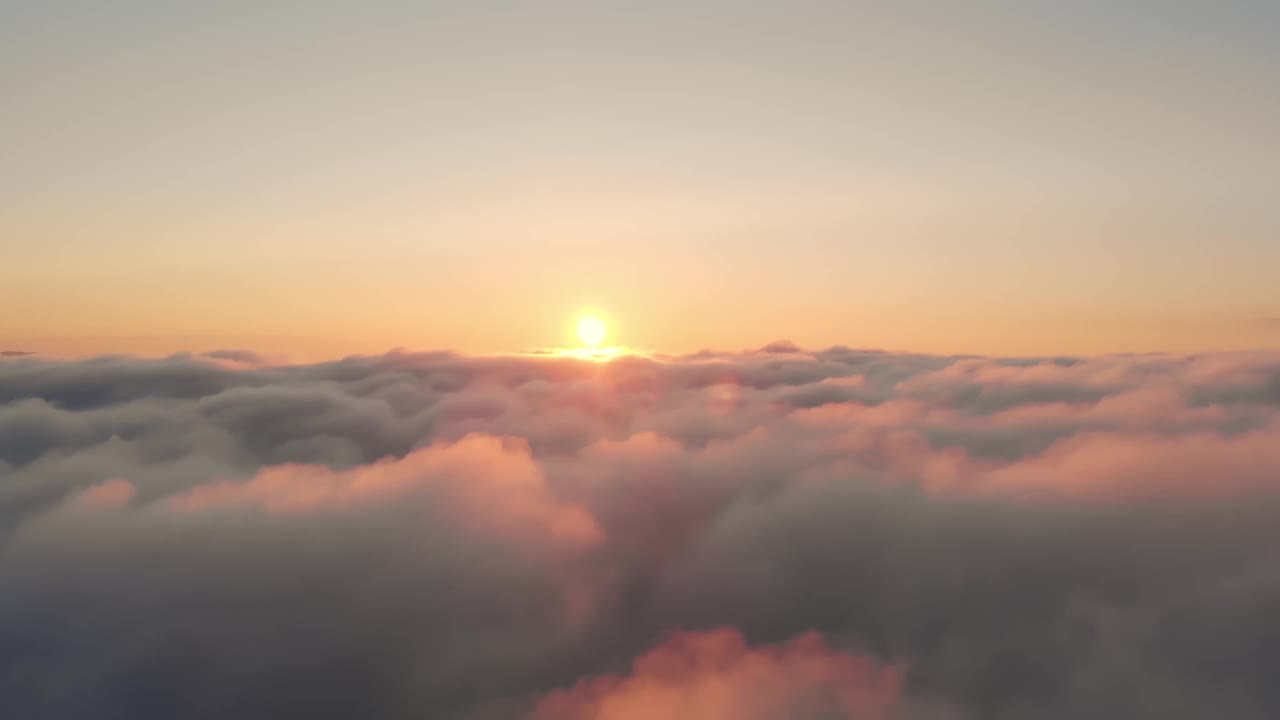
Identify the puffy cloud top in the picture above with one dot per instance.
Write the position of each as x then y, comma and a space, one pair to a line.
775, 534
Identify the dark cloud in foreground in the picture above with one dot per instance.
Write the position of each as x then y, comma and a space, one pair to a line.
832, 534
15, 353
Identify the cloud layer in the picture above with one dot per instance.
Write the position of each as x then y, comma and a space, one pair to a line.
831, 534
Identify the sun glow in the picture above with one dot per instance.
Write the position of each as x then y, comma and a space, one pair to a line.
591, 331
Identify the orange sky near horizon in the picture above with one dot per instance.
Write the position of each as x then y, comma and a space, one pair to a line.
953, 333
320, 179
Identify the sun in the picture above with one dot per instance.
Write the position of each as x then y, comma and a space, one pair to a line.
591, 331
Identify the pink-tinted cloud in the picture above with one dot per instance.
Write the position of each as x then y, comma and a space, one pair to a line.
1111, 465
715, 675
490, 483
107, 495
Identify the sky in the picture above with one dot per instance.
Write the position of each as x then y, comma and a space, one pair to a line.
318, 179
